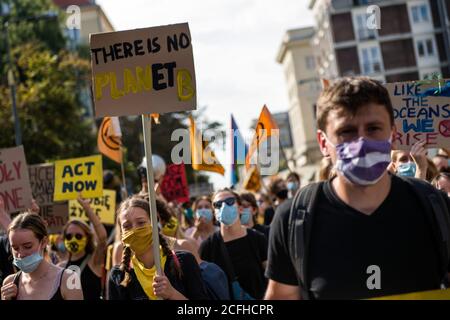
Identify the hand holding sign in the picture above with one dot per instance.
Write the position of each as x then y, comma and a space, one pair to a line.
419, 155
85, 204
144, 71
34, 207
5, 219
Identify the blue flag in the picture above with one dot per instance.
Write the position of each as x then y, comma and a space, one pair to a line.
238, 151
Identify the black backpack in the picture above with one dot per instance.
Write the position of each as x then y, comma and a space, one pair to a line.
301, 221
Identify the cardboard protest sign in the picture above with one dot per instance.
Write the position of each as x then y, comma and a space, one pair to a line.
174, 185
15, 189
56, 216
83, 175
42, 179
143, 71
104, 207
421, 112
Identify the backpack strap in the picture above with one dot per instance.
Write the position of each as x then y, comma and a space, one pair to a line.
84, 263
16, 280
434, 202
175, 259
299, 232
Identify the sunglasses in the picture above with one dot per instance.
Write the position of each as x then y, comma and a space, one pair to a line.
228, 201
77, 236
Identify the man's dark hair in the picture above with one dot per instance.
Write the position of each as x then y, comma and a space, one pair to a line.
350, 94
293, 175
274, 186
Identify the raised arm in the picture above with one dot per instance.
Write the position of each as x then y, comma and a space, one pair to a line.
419, 155
100, 231
5, 219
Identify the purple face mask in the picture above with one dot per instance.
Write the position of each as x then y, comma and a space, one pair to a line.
362, 161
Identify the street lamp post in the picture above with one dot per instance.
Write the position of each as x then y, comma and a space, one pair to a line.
12, 87
9, 61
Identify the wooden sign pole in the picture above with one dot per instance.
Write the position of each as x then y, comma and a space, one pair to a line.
147, 127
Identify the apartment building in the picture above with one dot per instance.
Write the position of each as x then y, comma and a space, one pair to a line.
389, 40
409, 42
296, 54
92, 19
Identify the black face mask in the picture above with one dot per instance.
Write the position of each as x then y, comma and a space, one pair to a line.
282, 194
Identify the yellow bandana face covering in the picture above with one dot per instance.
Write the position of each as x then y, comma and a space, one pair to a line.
75, 246
138, 239
170, 228
145, 276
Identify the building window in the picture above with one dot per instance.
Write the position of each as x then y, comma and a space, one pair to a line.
361, 28
371, 62
420, 13
425, 48
310, 63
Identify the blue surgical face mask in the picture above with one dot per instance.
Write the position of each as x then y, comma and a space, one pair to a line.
61, 247
246, 216
205, 213
291, 185
407, 169
227, 214
29, 263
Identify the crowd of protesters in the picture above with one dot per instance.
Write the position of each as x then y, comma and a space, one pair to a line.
371, 207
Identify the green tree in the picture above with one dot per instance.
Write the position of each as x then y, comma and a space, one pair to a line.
49, 113
47, 79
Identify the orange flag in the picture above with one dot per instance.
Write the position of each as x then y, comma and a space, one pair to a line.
252, 181
202, 160
109, 139
155, 117
263, 130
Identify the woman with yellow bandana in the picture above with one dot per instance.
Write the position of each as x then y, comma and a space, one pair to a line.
84, 253
136, 278
169, 224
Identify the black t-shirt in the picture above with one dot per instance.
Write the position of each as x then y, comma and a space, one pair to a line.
345, 242
190, 285
248, 270
263, 229
6, 266
246, 256
268, 215
90, 282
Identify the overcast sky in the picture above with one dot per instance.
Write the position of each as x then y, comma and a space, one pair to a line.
235, 43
